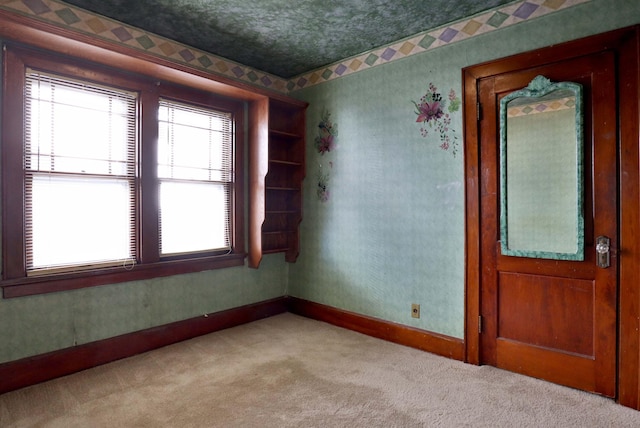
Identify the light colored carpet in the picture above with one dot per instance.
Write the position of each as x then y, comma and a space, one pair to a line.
289, 371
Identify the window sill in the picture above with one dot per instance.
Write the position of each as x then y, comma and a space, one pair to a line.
73, 281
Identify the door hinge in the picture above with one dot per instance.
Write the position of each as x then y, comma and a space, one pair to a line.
479, 110
479, 324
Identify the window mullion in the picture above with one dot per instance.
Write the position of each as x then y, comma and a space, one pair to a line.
148, 187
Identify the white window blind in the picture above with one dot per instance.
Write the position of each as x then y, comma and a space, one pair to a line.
80, 170
195, 169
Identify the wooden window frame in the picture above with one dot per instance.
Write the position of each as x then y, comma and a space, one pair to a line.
150, 87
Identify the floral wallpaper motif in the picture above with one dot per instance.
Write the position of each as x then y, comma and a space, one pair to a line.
323, 183
435, 121
325, 143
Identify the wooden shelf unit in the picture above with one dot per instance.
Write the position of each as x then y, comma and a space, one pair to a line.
276, 181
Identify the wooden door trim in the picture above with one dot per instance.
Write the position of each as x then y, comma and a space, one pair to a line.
624, 43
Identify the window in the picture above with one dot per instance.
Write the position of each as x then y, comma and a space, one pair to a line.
79, 174
111, 177
195, 169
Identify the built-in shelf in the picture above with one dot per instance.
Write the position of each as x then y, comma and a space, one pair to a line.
277, 170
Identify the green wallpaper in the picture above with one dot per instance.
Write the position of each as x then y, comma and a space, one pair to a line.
43, 323
392, 232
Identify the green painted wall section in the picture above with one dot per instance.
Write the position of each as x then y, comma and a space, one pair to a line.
392, 231
38, 324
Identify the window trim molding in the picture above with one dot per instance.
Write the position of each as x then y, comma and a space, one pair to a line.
15, 283
77, 280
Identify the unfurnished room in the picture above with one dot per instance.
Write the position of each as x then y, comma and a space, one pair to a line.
320, 213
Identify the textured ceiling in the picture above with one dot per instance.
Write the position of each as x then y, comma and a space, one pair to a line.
286, 37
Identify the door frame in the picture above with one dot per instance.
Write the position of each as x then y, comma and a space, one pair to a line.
625, 44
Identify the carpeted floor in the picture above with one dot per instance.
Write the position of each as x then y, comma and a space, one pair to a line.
289, 371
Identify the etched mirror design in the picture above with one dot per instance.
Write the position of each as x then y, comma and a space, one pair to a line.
541, 171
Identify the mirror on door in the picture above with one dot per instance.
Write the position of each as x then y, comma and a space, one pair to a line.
541, 171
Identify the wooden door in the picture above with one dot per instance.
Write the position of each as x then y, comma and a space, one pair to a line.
553, 319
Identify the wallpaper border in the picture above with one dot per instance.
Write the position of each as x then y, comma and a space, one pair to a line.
501, 17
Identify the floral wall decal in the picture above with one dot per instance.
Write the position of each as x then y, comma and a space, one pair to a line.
434, 112
325, 143
323, 183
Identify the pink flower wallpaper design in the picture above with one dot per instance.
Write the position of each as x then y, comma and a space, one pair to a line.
325, 143
434, 113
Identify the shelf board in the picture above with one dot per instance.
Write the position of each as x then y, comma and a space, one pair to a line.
284, 189
283, 212
284, 134
285, 162
275, 250
279, 232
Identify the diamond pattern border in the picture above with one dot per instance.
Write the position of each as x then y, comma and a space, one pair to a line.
63, 15
483, 23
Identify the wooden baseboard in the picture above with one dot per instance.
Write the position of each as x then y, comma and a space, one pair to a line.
40, 368
29, 371
434, 343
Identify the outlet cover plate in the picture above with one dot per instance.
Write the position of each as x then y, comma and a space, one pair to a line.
415, 310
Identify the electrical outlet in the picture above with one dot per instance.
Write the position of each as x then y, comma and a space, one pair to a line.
415, 310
